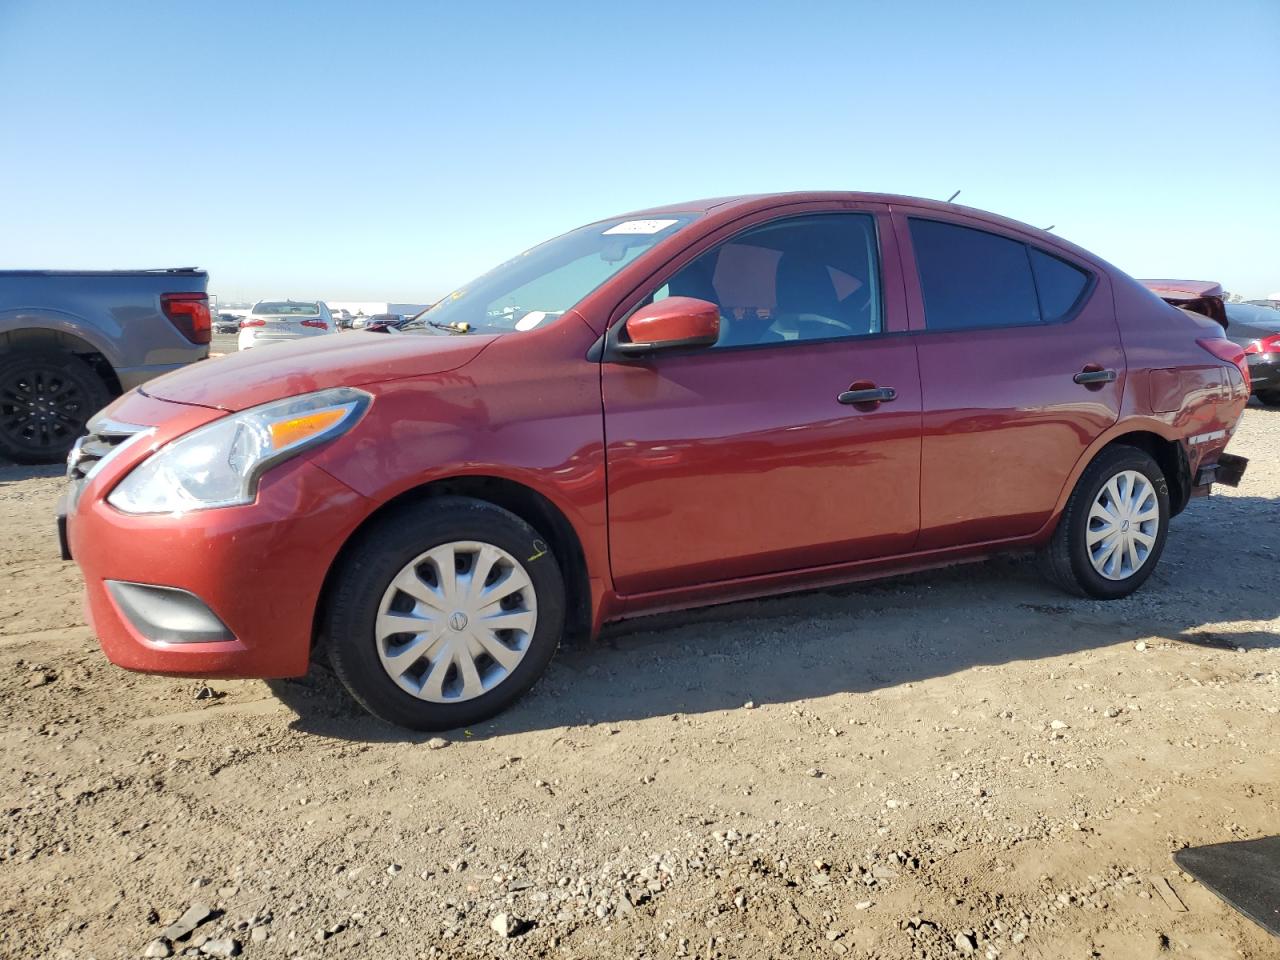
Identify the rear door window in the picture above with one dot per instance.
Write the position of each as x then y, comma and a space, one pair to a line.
970, 278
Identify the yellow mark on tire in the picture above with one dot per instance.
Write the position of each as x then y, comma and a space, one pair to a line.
540, 549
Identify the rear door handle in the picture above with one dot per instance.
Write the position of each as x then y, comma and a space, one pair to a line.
1091, 375
869, 395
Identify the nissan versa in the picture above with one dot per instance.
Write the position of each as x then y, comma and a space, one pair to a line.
682, 406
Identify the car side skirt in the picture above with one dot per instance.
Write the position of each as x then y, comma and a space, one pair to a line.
750, 588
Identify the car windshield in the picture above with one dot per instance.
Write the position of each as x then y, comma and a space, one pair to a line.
287, 308
1264, 318
542, 283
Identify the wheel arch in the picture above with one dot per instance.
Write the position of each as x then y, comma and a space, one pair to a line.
1172, 458
528, 504
53, 335
1149, 435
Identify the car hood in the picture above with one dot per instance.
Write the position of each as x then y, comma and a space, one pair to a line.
276, 371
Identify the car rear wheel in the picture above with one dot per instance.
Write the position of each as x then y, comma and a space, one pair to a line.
443, 614
1268, 398
46, 397
1112, 531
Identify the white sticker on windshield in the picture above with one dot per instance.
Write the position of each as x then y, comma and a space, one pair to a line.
640, 227
531, 319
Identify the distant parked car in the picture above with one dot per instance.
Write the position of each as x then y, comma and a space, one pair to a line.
359, 321
687, 405
341, 319
72, 340
226, 323
275, 321
1257, 329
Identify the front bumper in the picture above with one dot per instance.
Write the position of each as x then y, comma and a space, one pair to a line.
259, 569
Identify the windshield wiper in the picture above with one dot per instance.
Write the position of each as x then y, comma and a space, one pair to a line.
438, 324
463, 327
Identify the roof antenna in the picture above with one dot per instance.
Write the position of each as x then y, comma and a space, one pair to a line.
953, 196
1049, 227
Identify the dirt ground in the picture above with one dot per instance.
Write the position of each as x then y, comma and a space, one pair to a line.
963, 763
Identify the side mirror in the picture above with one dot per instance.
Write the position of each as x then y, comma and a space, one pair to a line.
670, 323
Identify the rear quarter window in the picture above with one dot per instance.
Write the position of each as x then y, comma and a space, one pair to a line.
1059, 284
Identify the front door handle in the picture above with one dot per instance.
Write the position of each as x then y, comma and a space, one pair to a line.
868, 395
1094, 374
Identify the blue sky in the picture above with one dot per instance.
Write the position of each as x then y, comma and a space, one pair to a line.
394, 150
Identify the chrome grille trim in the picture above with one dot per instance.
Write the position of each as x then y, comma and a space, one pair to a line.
105, 439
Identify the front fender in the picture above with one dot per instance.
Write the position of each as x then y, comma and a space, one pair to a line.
545, 436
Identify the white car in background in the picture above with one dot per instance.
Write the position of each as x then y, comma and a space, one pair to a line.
275, 321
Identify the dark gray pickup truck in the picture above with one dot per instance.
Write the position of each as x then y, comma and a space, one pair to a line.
70, 341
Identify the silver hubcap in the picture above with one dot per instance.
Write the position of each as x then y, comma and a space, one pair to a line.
1123, 522
456, 621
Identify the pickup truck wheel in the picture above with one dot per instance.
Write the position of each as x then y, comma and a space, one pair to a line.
1268, 398
46, 397
1112, 531
442, 614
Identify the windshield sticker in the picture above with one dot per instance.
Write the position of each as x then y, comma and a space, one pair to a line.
531, 319
639, 227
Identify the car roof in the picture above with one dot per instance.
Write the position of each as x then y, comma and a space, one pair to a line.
768, 199
1257, 312
742, 204
764, 200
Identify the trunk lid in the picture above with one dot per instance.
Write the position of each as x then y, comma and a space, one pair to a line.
1205, 297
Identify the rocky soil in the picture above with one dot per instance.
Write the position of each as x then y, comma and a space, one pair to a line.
958, 764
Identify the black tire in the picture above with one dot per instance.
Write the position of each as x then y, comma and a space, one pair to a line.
1064, 560
380, 554
1268, 398
46, 397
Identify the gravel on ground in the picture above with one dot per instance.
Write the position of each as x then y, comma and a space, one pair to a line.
963, 763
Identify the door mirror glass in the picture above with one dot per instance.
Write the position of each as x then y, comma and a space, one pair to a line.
673, 322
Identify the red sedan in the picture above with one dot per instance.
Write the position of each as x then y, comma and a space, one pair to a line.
682, 406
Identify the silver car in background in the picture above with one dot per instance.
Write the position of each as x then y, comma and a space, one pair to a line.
275, 321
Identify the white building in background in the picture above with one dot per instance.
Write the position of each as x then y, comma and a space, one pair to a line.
370, 307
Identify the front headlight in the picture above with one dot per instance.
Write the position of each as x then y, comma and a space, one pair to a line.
218, 465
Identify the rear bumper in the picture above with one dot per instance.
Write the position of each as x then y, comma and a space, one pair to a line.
1264, 371
1228, 470
257, 569
255, 337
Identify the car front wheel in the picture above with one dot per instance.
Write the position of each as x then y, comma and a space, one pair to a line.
1113, 528
444, 613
